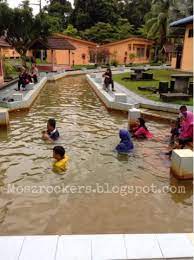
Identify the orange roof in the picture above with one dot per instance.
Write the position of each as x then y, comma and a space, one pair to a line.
76, 39
132, 38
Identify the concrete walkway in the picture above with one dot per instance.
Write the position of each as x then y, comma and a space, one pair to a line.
133, 99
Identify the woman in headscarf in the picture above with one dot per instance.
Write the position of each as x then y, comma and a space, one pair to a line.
125, 145
186, 134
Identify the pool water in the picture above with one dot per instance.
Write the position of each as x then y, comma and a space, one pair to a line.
89, 133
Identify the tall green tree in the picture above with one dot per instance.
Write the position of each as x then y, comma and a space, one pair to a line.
157, 20
20, 27
60, 10
105, 32
134, 11
87, 13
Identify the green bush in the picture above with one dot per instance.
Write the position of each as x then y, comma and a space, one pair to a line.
9, 69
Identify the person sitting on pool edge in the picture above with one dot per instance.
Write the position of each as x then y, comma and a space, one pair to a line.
61, 159
125, 145
108, 79
52, 134
141, 131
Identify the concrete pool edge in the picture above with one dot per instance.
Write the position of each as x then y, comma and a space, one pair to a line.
141, 102
98, 246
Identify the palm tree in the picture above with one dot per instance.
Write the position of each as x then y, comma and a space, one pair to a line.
158, 19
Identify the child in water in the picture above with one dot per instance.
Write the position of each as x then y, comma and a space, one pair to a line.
175, 130
52, 134
141, 130
61, 159
125, 145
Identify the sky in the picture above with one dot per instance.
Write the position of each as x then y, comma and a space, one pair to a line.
15, 3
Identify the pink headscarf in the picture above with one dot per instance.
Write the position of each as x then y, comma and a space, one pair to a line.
187, 125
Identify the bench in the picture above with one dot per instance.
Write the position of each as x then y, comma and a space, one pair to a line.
174, 96
133, 76
147, 76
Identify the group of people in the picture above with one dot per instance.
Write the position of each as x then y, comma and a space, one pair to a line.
51, 135
27, 76
182, 130
181, 135
139, 131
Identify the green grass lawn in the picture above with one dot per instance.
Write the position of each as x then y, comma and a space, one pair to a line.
159, 75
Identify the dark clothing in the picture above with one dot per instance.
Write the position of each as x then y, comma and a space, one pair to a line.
184, 141
23, 80
174, 134
54, 135
108, 80
35, 78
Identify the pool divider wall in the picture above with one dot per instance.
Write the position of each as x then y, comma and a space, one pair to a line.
133, 115
108, 100
182, 164
25, 102
4, 117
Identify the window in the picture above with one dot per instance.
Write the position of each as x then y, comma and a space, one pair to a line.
190, 35
140, 52
129, 46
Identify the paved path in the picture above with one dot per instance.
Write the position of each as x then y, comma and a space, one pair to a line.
134, 98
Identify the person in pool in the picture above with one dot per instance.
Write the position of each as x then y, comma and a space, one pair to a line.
141, 131
125, 145
52, 134
62, 160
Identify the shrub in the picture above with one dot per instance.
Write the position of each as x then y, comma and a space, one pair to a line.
9, 69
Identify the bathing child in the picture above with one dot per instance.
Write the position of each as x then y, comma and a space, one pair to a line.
61, 159
52, 134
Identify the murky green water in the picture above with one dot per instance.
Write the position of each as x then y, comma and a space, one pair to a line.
89, 133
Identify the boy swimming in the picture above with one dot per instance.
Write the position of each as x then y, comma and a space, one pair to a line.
52, 134
61, 159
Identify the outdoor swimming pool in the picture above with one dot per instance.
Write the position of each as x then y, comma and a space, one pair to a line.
89, 133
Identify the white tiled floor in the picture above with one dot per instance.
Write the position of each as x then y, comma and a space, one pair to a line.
142, 246
108, 247
74, 247
97, 247
173, 245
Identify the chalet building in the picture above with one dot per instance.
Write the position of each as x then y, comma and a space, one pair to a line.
131, 50
3, 45
184, 59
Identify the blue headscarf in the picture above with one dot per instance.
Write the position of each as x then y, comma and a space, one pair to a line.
126, 145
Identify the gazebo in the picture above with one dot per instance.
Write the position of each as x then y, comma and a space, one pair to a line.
52, 43
3, 44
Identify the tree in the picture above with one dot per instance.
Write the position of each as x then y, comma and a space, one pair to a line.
71, 31
20, 27
105, 32
60, 9
88, 13
134, 11
100, 33
157, 21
